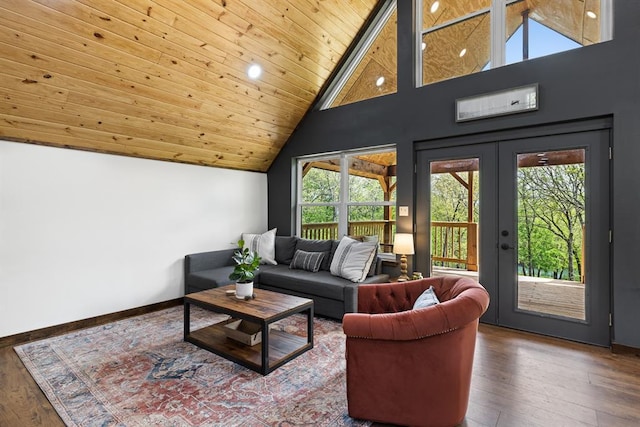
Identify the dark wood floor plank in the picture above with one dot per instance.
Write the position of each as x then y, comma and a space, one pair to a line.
22, 403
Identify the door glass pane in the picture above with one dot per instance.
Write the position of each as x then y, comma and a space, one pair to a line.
455, 191
551, 226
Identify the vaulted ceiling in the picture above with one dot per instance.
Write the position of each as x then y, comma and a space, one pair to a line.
167, 79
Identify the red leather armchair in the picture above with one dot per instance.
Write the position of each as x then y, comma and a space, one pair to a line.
413, 367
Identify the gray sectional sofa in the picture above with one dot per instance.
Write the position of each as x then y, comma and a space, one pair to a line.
332, 295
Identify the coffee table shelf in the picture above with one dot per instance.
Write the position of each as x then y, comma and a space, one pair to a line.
282, 346
276, 348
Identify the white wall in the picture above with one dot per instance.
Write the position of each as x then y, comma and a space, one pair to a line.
84, 234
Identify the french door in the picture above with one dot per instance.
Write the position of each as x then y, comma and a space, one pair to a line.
529, 218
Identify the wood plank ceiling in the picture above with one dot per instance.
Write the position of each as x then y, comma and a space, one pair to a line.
167, 79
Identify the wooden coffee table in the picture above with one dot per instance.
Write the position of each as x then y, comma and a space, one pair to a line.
277, 347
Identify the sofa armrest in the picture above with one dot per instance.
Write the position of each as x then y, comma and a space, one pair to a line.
208, 260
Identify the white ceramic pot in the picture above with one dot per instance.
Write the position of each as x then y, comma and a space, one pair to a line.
244, 290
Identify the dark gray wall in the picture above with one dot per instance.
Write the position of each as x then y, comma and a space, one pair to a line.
595, 81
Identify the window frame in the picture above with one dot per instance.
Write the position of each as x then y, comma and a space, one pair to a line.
343, 204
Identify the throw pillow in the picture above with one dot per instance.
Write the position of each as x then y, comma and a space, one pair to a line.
316, 246
264, 244
372, 270
427, 299
353, 259
309, 261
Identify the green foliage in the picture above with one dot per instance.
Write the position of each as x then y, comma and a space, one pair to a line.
551, 216
365, 189
551, 212
323, 186
449, 201
247, 263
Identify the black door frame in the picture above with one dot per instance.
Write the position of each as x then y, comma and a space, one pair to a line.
486, 147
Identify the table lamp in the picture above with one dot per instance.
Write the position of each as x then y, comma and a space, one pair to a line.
403, 245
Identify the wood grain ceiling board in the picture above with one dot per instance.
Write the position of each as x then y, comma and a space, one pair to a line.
441, 57
449, 10
166, 79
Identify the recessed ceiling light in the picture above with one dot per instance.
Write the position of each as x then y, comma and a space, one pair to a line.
424, 45
463, 52
254, 71
435, 6
380, 81
591, 14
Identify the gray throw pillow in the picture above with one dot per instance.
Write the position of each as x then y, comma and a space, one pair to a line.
309, 261
310, 245
427, 299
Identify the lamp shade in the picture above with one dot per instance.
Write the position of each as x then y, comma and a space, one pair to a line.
403, 244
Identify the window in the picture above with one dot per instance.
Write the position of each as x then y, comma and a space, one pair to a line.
463, 37
350, 193
372, 69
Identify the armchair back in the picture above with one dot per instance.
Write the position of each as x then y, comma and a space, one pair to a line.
413, 367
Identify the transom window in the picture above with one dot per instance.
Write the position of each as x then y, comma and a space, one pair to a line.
350, 193
460, 37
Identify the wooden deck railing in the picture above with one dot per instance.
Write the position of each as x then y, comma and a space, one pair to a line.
329, 230
320, 231
455, 242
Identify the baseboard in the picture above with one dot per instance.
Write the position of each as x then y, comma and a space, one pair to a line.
623, 349
39, 334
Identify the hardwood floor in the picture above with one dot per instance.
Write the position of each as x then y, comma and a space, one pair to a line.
526, 379
519, 379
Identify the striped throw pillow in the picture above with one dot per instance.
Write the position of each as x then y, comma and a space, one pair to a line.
309, 261
353, 259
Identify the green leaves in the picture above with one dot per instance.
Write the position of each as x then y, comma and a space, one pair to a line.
247, 264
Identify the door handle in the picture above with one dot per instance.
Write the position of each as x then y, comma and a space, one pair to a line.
505, 246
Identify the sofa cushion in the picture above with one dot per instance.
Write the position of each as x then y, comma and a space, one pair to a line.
352, 259
264, 244
285, 249
322, 283
426, 299
309, 261
309, 245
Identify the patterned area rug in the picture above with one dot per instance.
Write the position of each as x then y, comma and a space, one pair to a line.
139, 372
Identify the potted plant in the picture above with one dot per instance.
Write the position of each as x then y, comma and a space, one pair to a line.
244, 271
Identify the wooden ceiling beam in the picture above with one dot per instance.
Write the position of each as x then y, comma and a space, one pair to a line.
550, 158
